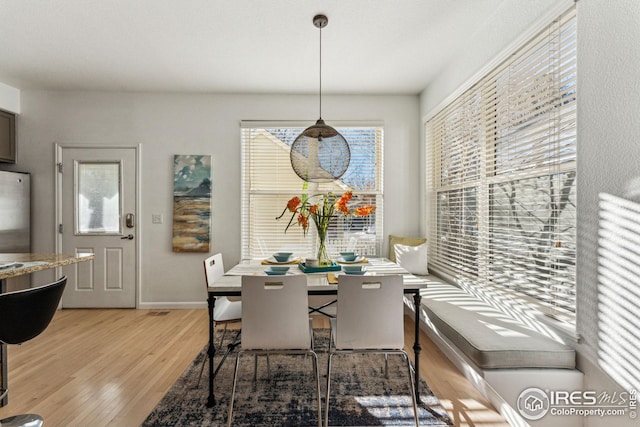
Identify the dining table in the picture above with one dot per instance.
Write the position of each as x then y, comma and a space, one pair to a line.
318, 283
19, 264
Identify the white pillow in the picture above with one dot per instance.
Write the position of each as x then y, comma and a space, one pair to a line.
412, 258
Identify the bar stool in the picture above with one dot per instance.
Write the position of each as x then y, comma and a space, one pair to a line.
24, 315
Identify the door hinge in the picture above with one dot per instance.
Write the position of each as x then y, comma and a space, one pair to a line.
60, 167
60, 228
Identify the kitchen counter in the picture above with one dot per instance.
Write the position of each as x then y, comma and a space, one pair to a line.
27, 263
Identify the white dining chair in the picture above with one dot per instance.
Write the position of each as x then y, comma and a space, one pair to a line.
275, 320
225, 310
369, 320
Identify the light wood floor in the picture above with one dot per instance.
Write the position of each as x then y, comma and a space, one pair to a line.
111, 367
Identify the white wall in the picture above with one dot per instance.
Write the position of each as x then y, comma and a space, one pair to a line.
608, 163
168, 124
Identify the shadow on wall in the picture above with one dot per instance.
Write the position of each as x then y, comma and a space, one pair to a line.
619, 289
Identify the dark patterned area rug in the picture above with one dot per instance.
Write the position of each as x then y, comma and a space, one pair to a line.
361, 395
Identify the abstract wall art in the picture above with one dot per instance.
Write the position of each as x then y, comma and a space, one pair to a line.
191, 203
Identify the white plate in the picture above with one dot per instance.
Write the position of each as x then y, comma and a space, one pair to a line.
8, 264
272, 260
359, 258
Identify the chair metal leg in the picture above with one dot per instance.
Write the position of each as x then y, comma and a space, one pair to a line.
268, 366
255, 367
413, 390
313, 347
317, 372
233, 390
313, 343
411, 383
230, 347
224, 334
386, 366
235, 380
326, 400
204, 362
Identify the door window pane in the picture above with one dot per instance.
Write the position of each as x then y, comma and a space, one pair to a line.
98, 198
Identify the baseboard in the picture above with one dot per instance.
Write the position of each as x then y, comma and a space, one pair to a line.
171, 305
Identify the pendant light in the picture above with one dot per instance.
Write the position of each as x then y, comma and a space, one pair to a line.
320, 153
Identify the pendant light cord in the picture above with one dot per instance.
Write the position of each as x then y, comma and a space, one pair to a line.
320, 97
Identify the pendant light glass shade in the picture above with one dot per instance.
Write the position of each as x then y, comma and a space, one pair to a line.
320, 153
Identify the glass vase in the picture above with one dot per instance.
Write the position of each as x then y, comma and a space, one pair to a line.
323, 255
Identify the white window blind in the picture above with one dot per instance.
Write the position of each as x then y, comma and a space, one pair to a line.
501, 173
269, 182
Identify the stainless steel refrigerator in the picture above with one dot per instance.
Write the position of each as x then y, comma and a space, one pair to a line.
15, 219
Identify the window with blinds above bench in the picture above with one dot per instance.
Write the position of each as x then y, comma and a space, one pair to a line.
501, 175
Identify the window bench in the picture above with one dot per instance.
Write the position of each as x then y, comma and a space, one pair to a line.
498, 354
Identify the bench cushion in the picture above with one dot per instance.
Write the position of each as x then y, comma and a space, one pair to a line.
488, 337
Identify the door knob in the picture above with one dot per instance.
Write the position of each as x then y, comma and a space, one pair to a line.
129, 237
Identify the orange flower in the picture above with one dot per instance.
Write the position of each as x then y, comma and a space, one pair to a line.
342, 207
293, 204
303, 221
321, 213
341, 204
364, 210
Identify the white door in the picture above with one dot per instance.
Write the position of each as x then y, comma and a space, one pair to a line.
97, 189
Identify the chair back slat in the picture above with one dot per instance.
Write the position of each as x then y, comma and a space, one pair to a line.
370, 312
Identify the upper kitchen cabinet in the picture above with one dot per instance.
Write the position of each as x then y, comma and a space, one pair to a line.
7, 137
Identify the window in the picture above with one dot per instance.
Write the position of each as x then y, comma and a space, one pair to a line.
269, 182
98, 198
501, 171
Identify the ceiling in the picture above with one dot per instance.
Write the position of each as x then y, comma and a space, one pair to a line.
242, 46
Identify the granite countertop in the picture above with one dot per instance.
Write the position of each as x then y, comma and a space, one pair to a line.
17, 264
